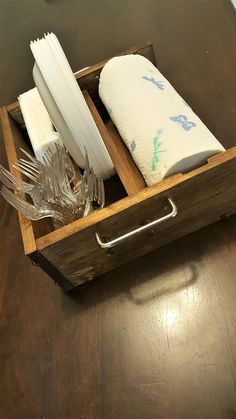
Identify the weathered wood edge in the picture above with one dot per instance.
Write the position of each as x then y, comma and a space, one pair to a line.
39, 260
25, 224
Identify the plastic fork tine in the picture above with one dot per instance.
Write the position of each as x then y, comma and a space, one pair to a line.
18, 183
37, 164
33, 159
102, 193
6, 181
20, 166
30, 169
97, 191
7, 178
49, 152
29, 166
46, 159
28, 209
9, 183
96, 197
12, 199
99, 195
26, 173
6, 173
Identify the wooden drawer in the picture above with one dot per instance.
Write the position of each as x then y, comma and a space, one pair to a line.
153, 216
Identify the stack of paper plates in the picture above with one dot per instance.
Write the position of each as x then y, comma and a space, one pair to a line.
67, 107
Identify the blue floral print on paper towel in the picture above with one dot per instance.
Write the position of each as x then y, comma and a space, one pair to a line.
158, 83
183, 121
156, 149
133, 146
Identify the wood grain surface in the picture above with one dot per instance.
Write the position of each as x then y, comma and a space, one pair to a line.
156, 338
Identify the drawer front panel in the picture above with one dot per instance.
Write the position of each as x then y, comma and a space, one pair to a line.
200, 200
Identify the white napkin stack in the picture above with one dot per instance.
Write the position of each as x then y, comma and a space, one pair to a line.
56, 116
39, 126
69, 105
162, 132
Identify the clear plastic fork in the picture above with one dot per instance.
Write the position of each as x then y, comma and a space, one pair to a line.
51, 187
27, 171
27, 209
12, 182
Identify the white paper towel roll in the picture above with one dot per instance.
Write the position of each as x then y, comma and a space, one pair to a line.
161, 131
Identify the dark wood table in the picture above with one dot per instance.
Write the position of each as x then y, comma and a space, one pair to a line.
157, 337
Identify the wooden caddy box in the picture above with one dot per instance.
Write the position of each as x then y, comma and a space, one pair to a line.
137, 219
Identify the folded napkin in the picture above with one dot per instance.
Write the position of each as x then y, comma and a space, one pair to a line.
162, 132
39, 126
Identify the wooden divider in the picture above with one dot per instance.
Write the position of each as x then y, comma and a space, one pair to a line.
126, 169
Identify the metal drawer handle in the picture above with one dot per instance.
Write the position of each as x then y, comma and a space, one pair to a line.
112, 243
